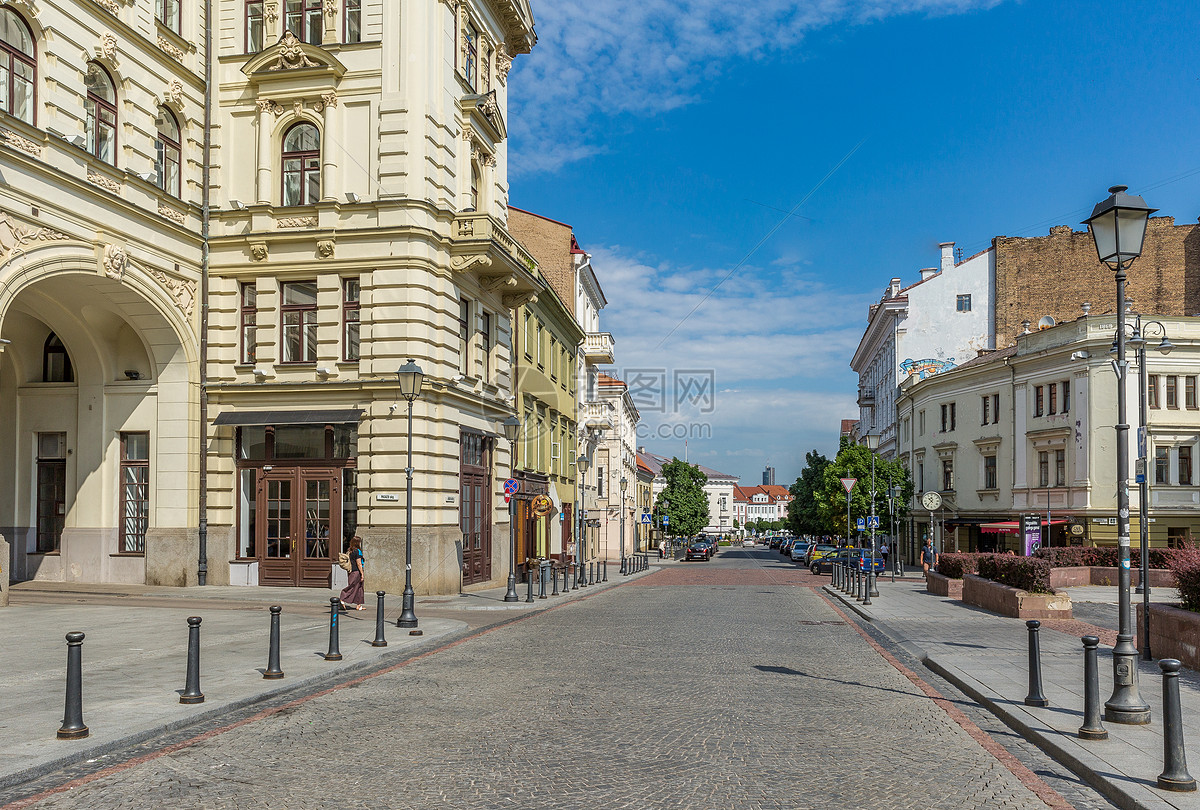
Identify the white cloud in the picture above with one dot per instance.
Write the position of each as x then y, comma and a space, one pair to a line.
640, 57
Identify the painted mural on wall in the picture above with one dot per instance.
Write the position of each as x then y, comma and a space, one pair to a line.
925, 368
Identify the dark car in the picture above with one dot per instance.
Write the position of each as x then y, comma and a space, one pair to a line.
697, 550
845, 556
776, 542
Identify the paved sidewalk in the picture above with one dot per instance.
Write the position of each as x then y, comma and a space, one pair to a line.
135, 655
985, 655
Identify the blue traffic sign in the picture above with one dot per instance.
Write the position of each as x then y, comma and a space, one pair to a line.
512, 486
645, 517
873, 522
861, 523
666, 520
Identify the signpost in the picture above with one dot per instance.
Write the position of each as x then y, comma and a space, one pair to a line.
1031, 531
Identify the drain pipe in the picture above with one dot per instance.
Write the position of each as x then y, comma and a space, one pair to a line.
205, 214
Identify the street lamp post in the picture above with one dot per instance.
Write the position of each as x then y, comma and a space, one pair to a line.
512, 427
581, 464
410, 378
872, 590
893, 496
621, 514
1118, 226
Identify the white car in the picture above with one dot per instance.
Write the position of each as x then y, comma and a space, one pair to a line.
799, 551
748, 543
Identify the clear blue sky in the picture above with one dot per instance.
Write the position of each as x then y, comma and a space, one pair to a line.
675, 139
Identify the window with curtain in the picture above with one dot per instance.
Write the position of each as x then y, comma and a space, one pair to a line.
303, 18
302, 165
18, 67
101, 104
254, 26
135, 492
167, 154
299, 322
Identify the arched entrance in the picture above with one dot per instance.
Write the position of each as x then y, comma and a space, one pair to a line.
99, 436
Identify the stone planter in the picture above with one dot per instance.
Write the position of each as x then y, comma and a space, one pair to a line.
1013, 602
939, 585
1174, 633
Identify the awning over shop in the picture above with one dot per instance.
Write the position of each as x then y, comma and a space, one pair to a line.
1011, 526
341, 417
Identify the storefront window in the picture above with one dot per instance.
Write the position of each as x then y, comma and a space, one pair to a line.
253, 443
300, 441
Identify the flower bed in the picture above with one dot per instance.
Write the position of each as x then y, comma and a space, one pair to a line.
940, 585
1016, 603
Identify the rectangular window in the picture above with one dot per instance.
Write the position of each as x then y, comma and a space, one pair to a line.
167, 12
1178, 537
920, 476
945, 416
528, 336
464, 336
1038, 400
1043, 469
1185, 465
947, 474
953, 415
540, 340
299, 322
964, 303
985, 405
1152, 391
1060, 468
1172, 392
353, 25
51, 490
553, 358
471, 54
1189, 392
135, 492
600, 483
921, 423
254, 26
1161, 465
989, 472
995, 409
485, 344
1066, 396
303, 18
1053, 397
248, 317
351, 299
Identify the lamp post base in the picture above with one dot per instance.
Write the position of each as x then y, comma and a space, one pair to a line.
1125, 705
408, 618
511, 594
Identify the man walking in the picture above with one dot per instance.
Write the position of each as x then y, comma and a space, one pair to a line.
929, 557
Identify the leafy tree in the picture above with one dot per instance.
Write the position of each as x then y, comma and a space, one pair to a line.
683, 500
854, 461
804, 514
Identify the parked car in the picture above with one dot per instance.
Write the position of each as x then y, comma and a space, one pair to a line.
824, 564
697, 550
785, 547
774, 542
799, 552
817, 551
747, 543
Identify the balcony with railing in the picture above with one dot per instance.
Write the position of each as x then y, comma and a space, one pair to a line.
598, 347
597, 415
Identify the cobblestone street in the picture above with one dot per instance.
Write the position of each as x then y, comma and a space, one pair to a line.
727, 684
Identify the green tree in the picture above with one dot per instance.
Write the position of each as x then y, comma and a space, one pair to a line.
683, 500
854, 461
804, 514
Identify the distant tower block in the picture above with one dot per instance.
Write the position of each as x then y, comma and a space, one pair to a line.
769, 476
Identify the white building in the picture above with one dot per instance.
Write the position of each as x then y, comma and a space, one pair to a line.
614, 460
768, 503
914, 332
719, 489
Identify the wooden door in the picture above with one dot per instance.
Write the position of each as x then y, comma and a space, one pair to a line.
475, 507
298, 526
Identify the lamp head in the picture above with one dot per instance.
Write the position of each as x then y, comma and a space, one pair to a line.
624, 483
411, 378
1166, 345
511, 426
1118, 226
872, 441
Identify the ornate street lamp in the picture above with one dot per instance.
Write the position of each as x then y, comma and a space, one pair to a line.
512, 428
872, 440
1118, 226
621, 513
581, 465
410, 378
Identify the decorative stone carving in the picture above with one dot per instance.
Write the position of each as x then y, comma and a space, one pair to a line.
297, 222
17, 142
297, 107
111, 6
15, 236
183, 292
107, 49
27, 8
258, 251
173, 95
503, 63
291, 54
267, 105
518, 300
271, 12
464, 263
496, 282
104, 181
170, 213
331, 9
329, 100
115, 262
325, 248
485, 71
170, 50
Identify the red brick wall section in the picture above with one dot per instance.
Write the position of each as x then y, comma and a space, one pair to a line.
550, 244
1053, 275
1174, 633
939, 585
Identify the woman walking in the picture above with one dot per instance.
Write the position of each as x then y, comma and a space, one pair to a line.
352, 594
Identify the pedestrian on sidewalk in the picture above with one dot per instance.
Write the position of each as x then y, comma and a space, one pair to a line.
352, 594
883, 552
929, 557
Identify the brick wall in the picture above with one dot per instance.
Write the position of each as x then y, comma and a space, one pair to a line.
550, 244
1053, 275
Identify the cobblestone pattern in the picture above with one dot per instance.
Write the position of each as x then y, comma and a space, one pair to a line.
731, 696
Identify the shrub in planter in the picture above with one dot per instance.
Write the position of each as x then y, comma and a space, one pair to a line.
1185, 565
955, 565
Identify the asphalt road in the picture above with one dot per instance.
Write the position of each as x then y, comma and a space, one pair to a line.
723, 684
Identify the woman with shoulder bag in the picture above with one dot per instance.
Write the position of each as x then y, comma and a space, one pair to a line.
352, 594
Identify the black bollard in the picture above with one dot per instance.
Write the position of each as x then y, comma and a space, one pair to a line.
605, 571
273, 672
553, 572
541, 581
529, 583
379, 641
575, 571
1092, 728
592, 573
334, 654
191, 689
1175, 776
1035, 696
73, 727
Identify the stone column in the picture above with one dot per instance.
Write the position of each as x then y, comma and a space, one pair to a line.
264, 189
330, 140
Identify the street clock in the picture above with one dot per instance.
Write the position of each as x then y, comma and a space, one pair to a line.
931, 500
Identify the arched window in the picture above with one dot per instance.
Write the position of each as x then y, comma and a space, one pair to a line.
301, 165
101, 114
167, 152
304, 19
18, 67
56, 363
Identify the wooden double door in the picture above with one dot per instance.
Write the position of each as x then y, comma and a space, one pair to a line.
299, 525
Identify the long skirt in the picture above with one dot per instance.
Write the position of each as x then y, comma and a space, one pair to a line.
352, 594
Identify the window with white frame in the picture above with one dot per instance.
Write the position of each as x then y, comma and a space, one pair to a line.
18, 67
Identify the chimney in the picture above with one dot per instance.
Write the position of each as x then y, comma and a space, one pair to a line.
894, 288
928, 273
642, 450
947, 255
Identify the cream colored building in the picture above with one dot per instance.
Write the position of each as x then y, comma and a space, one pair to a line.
614, 460
359, 204
1029, 430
